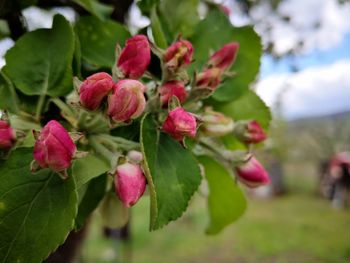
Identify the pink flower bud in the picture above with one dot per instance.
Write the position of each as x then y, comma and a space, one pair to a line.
216, 124
252, 173
224, 57
178, 55
127, 100
172, 88
249, 132
135, 57
179, 124
7, 135
94, 89
130, 183
209, 79
54, 148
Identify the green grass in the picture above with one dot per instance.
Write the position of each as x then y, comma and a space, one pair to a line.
298, 227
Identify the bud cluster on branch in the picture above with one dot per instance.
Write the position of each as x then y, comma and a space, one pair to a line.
176, 100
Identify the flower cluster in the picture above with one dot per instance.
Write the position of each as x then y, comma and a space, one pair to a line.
123, 97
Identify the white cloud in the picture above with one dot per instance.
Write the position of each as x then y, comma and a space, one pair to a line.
319, 24
314, 91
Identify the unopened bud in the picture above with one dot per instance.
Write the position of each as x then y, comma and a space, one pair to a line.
180, 123
209, 79
114, 213
249, 132
94, 89
252, 173
127, 100
135, 156
134, 59
54, 148
130, 183
7, 135
170, 89
224, 57
178, 55
215, 123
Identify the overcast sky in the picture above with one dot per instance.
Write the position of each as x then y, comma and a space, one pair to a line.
322, 84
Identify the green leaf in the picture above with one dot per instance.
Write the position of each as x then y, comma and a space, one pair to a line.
94, 193
181, 16
172, 173
146, 5
248, 107
215, 31
77, 58
87, 168
41, 61
98, 40
7, 91
226, 201
94, 7
157, 30
37, 211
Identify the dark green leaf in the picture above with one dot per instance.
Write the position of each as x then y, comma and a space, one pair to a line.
77, 58
215, 31
41, 61
94, 7
98, 40
226, 202
181, 16
130, 132
37, 211
92, 197
172, 173
9, 99
146, 5
247, 107
87, 168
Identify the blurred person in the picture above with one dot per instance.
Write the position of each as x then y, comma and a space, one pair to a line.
339, 171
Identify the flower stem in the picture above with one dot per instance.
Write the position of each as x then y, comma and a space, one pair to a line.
101, 149
63, 106
39, 107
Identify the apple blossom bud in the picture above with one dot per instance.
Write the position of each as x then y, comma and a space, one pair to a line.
54, 148
209, 79
170, 89
127, 100
114, 213
178, 55
216, 124
180, 123
224, 57
134, 59
7, 135
252, 173
94, 89
135, 156
130, 183
249, 131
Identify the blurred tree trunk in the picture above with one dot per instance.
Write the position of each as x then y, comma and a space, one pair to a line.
275, 171
68, 251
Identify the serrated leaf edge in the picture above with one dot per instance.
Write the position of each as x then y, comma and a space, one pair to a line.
153, 194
